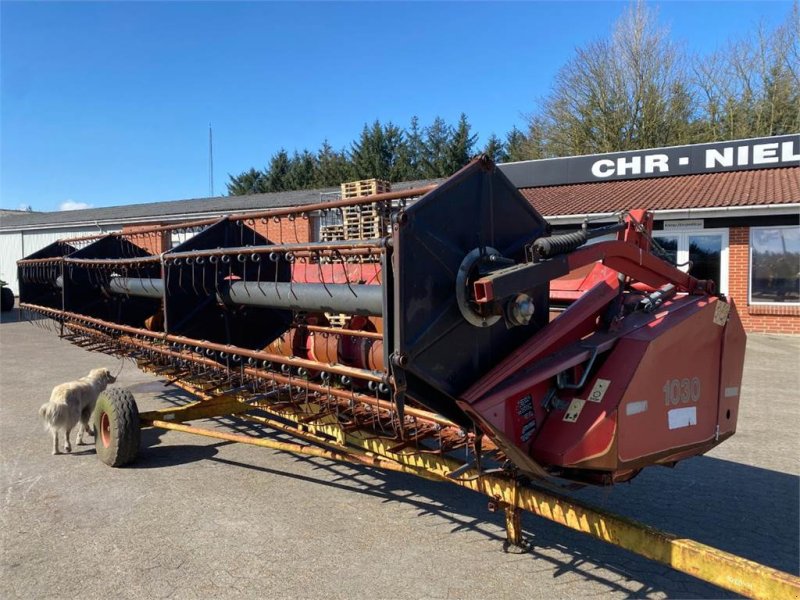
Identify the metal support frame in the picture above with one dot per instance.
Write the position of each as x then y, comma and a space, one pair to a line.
513, 526
620, 256
326, 438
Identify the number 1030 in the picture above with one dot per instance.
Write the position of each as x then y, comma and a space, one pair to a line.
681, 391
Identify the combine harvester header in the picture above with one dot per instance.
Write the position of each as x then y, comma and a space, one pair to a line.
453, 321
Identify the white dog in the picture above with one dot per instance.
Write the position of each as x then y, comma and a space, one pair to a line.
72, 404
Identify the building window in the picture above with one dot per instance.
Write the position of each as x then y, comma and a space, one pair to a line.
177, 237
775, 265
703, 253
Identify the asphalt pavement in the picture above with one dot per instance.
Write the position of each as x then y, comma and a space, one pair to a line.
200, 518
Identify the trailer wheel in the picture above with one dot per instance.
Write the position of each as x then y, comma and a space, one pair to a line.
6, 299
117, 430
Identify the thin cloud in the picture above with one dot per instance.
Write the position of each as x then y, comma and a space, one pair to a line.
72, 205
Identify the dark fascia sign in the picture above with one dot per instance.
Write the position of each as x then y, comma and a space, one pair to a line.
717, 157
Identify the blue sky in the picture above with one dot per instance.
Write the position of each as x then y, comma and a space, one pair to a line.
109, 103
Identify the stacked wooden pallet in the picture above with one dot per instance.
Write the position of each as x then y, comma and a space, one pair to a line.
365, 187
337, 320
331, 233
365, 221
361, 222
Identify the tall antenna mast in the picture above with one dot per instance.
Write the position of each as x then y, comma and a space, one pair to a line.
210, 162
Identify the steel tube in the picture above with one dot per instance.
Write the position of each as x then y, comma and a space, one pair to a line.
298, 250
358, 247
360, 455
259, 373
375, 245
338, 331
227, 349
422, 415
141, 287
280, 212
356, 299
105, 262
306, 208
320, 452
40, 261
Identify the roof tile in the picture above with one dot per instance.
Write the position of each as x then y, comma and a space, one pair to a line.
712, 190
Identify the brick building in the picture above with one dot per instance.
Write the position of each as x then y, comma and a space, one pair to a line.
725, 211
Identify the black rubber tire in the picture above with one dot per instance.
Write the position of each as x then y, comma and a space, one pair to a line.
116, 427
6, 299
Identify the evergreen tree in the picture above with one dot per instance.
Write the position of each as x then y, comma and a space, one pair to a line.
535, 143
247, 182
395, 153
415, 149
333, 168
435, 162
495, 149
381, 153
682, 121
277, 171
302, 171
368, 153
516, 146
462, 145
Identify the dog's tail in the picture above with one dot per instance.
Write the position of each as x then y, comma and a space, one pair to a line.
52, 413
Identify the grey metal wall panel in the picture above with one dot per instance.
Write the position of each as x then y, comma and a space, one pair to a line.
18, 244
10, 252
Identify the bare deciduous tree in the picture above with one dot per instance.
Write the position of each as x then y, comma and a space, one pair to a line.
628, 91
636, 89
751, 87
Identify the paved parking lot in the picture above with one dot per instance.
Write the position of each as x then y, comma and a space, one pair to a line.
200, 518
